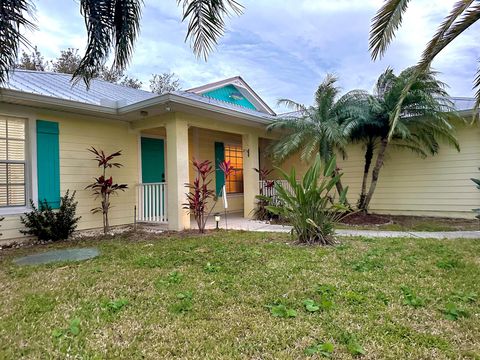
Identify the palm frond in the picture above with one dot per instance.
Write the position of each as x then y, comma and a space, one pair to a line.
385, 82
411, 147
292, 105
386, 21
206, 22
126, 26
476, 85
111, 24
450, 29
13, 20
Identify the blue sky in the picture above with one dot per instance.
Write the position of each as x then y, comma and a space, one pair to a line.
283, 49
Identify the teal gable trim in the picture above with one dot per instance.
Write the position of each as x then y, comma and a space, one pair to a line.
48, 163
219, 175
227, 94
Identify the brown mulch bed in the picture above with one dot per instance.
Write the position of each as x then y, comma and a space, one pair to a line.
366, 219
421, 223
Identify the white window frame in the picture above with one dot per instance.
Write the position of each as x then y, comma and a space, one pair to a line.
31, 185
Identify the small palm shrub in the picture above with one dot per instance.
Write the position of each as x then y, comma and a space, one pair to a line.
48, 224
308, 206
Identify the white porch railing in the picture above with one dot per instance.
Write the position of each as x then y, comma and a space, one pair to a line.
152, 202
267, 187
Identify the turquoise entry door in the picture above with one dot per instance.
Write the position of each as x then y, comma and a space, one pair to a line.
152, 193
153, 160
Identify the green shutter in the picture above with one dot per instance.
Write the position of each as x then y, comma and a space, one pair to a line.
48, 163
219, 176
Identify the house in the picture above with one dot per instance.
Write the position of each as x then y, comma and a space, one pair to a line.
46, 126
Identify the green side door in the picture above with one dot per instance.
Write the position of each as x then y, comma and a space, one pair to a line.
153, 171
153, 160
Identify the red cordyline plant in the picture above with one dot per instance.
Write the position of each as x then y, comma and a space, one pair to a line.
227, 168
263, 174
199, 193
104, 187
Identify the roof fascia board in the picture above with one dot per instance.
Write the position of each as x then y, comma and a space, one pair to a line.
172, 98
42, 100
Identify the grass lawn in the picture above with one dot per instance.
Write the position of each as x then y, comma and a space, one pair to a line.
232, 295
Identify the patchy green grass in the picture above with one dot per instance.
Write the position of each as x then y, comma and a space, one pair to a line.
239, 295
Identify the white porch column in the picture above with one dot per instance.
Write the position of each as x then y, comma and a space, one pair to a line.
177, 173
250, 176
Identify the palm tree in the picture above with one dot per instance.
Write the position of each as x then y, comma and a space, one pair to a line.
323, 128
425, 120
112, 27
389, 18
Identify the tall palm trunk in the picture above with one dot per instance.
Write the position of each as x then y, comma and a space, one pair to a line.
366, 169
376, 171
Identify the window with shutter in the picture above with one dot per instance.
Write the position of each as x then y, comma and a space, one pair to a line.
12, 162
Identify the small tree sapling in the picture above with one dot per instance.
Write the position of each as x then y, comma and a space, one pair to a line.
104, 187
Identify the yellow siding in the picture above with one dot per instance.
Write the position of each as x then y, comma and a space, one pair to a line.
409, 185
436, 186
77, 168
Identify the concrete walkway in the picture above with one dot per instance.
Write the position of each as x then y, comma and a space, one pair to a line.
238, 222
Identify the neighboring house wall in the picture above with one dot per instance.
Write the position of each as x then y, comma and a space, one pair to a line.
438, 185
77, 169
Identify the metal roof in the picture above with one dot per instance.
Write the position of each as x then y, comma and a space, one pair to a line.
102, 93
463, 103
59, 85
115, 96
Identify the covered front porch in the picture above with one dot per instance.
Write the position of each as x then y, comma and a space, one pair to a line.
167, 145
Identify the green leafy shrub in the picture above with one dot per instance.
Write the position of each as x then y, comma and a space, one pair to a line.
184, 303
210, 268
115, 306
411, 299
452, 312
281, 311
174, 277
311, 305
326, 293
72, 330
309, 207
324, 349
354, 298
352, 344
48, 224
